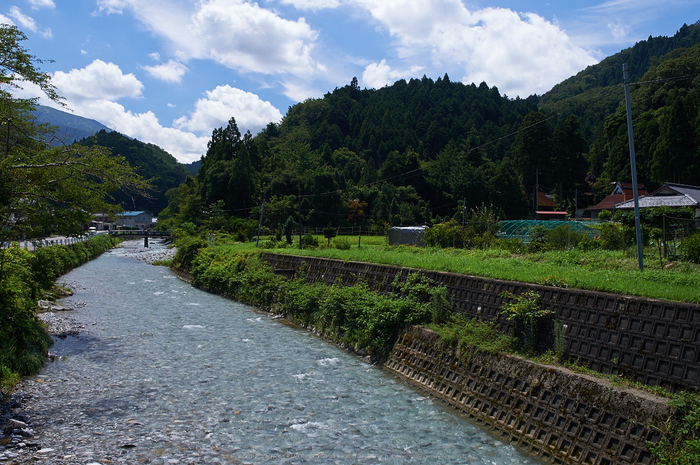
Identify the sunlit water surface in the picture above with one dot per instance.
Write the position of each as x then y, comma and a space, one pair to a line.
165, 373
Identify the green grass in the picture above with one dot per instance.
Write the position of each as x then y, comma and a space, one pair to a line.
608, 271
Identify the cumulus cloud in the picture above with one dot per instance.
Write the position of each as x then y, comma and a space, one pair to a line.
184, 146
97, 81
520, 53
224, 102
238, 34
380, 74
172, 71
313, 5
244, 36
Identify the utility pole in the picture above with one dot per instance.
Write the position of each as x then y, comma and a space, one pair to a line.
262, 210
300, 239
537, 189
630, 133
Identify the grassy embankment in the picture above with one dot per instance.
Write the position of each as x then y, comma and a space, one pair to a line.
25, 278
598, 270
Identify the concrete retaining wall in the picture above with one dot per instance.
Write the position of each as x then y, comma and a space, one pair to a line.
654, 342
555, 414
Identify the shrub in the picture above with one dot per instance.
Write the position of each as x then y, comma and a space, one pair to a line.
690, 249
342, 243
310, 240
525, 310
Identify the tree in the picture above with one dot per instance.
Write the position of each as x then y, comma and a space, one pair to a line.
329, 233
45, 187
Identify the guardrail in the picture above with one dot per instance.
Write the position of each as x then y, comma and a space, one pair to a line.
39, 243
137, 233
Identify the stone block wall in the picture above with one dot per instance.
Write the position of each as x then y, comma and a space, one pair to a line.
654, 342
557, 415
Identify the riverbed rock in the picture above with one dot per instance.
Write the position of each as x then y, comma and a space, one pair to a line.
13, 425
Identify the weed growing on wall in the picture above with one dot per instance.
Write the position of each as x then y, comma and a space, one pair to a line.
473, 336
680, 444
527, 313
368, 321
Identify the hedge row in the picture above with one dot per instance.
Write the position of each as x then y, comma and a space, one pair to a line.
26, 277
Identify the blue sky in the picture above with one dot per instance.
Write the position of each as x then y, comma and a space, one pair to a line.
170, 71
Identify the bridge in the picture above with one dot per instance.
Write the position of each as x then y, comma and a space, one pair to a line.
138, 234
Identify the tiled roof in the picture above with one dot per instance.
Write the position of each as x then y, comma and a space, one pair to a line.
660, 201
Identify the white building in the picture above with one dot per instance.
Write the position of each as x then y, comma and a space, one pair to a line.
141, 220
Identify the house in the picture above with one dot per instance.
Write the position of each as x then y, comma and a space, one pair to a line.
669, 195
547, 208
101, 222
622, 192
140, 220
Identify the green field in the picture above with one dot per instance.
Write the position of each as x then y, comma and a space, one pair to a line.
599, 270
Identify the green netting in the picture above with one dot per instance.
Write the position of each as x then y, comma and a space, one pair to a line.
520, 229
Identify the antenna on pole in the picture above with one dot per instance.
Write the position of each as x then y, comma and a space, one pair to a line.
633, 164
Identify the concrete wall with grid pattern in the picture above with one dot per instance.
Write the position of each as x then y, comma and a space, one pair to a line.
554, 414
654, 342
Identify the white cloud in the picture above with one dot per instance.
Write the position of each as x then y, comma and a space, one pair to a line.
619, 30
112, 6
172, 71
36, 4
154, 56
299, 91
184, 146
97, 81
238, 34
5, 20
377, 75
522, 54
224, 102
244, 36
27, 22
313, 5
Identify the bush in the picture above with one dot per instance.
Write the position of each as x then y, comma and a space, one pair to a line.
690, 249
310, 240
342, 243
563, 237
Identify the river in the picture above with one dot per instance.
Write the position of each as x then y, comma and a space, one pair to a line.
164, 373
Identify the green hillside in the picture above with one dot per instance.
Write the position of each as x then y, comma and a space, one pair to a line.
420, 151
149, 161
596, 92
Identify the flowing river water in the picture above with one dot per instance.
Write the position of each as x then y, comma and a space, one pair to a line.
165, 373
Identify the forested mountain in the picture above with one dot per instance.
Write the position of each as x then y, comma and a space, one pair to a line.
149, 161
69, 127
596, 92
666, 109
404, 154
420, 150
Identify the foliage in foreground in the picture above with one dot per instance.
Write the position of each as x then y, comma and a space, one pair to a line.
355, 316
26, 277
474, 335
680, 444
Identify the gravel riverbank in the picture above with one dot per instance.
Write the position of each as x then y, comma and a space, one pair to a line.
19, 443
